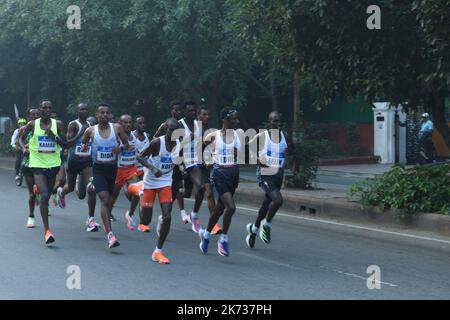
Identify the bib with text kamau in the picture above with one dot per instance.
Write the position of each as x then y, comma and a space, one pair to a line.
46, 145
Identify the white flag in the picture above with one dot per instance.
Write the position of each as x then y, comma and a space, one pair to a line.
16, 111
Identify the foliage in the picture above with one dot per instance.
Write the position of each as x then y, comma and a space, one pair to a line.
329, 42
136, 55
306, 154
420, 189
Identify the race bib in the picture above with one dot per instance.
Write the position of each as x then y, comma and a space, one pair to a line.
226, 159
127, 158
275, 159
46, 145
166, 164
105, 154
80, 153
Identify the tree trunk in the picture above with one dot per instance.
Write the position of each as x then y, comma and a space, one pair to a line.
272, 93
437, 108
296, 128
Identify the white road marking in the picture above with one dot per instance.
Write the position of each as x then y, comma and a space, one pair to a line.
364, 278
354, 226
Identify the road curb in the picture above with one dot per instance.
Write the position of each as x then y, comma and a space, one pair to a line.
341, 209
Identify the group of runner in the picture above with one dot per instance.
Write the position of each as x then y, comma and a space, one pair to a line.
182, 156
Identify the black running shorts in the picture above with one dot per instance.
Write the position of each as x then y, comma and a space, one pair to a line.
225, 179
104, 177
47, 172
27, 171
206, 174
270, 183
76, 166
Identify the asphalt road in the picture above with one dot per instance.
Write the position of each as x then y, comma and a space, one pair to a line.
306, 259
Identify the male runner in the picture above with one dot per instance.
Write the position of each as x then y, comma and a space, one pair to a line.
19, 152
142, 142
79, 167
45, 160
33, 114
271, 155
158, 180
177, 111
126, 170
57, 196
192, 160
225, 144
105, 148
203, 117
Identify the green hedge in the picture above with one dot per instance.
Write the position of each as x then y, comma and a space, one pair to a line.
422, 189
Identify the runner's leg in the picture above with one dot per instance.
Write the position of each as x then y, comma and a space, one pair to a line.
45, 186
29, 180
166, 209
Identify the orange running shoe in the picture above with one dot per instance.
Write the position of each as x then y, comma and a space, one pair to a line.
216, 230
49, 237
143, 228
160, 258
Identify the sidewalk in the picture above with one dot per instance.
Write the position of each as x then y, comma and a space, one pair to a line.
330, 201
359, 170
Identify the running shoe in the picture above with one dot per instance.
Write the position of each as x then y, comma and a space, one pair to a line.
143, 228
91, 225
131, 224
49, 237
184, 217
112, 218
203, 241
251, 237
222, 248
30, 222
196, 226
264, 233
216, 230
19, 180
160, 258
112, 241
61, 198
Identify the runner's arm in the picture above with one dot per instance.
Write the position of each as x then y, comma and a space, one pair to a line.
23, 131
209, 138
71, 132
258, 140
123, 137
23, 146
161, 131
85, 139
63, 140
151, 150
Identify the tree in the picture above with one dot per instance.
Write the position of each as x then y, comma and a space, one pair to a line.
407, 61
